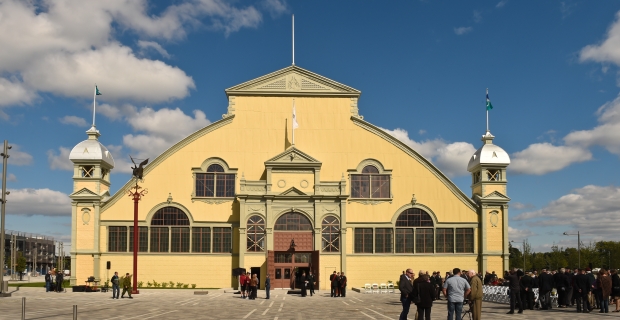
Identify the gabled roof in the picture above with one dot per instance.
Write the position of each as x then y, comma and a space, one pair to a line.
293, 157
292, 81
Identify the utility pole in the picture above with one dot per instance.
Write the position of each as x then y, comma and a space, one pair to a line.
5, 158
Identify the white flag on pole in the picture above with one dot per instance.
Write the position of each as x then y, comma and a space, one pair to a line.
295, 124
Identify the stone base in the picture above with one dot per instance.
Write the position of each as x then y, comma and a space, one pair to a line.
5, 295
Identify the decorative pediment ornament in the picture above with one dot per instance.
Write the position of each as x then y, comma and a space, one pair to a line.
85, 193
293, 81
293, 155
293, 192
413, 199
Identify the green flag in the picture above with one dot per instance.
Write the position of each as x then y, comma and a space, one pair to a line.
489, 105
99, 93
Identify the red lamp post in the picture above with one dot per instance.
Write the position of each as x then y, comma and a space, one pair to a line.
136, 194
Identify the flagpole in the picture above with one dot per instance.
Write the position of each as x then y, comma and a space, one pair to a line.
487, 112
94, 104
293, 39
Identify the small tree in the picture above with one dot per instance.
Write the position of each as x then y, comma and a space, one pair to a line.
21, 263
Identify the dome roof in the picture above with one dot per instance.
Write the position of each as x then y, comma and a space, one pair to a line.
488, 154
91, 150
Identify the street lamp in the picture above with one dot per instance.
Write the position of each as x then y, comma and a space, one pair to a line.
523, 253
578, 245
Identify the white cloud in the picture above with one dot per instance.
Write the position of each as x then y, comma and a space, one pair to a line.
73, 120
522, 206
606, 134
275, 7
450, 158
61, 160
46, 202
567, 9
10, 177
62, 47
145, 45
606, 51
588, 209
18, 157
501, 3
518, 235
462, 30
543, 158
477, 16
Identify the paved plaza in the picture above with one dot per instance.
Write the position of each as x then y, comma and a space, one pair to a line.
218, 304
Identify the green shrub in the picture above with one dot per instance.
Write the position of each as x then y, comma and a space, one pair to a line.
185, 286
164, 284
140, 283
149, 284
171, 284
179, 285
193, 286
155, 284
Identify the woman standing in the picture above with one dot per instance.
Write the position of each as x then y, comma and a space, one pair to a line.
615, 288
424, 289
304, 283
253, 284
604, 284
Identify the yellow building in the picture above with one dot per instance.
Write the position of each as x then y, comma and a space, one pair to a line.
335, 194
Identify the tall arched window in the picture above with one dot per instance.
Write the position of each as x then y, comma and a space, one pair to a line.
416, 223
215, 183
330, 234
256, 234
370, 184
166, 221
293, 221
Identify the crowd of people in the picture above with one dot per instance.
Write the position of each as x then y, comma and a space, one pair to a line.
53, 281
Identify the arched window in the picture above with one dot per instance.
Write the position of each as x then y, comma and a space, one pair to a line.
215, 183
166, 218
256, 234
330, 234
293, 221
414, 222
370, 184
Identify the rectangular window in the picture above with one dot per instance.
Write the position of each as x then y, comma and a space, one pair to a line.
404, 240
201, 239
464, 240
180, 239
222, 240
205, 184
302, 258
424, 240
444, 240
117, 239
159, 239
225, 185
363, 240
384, 240
283, 258
360, 186
380, 186
143, 239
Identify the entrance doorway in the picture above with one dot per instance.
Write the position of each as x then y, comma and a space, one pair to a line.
289, 267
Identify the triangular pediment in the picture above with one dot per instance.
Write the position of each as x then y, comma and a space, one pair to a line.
293, 81
294, 156
293, 192
87, 193
495, 195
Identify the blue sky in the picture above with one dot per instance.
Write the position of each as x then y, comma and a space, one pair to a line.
422, 66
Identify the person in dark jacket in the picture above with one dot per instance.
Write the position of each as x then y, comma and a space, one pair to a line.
545, 285
582, 288
311, 280
615, 288
304, 284
570, 290
48, 281
426, 291
267, 285
406, 288
604, 282
115, 285
527, 292
515, 289
59, 279
561, 284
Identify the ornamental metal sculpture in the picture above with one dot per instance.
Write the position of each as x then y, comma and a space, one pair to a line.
136, 194
138, 169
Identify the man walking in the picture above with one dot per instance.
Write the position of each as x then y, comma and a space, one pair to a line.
515, 291
48, 281
311, 280
455, 289
475, 295
127, 286
545, 285
267, 285
59, 279
115, 286
406, 288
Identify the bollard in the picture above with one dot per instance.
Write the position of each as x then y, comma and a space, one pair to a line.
24, 308
75, 312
